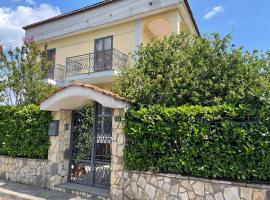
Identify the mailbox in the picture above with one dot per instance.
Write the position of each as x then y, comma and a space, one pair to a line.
54, 128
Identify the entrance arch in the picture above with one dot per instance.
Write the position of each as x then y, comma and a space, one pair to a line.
94, 166
77, 95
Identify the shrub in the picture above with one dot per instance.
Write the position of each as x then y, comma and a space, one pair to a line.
187, 69
24, 131
211, 142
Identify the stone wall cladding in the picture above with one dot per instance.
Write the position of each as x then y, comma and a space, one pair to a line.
58, 154
27, 171
43, 173
118, 144
144, 186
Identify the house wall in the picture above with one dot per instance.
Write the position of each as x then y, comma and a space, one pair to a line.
126, 37
123, 40
117, 12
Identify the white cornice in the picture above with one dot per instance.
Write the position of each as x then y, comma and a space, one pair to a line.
112, 14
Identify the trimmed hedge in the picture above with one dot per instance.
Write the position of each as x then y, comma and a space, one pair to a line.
24, 131
209, 142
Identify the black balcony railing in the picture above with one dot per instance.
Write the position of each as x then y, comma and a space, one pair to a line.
88, 63
57, 72
93, 62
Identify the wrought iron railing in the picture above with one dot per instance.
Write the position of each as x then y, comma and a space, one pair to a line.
99, 61
88, 63
57, 72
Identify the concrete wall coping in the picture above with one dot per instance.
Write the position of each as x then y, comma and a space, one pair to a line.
28, 159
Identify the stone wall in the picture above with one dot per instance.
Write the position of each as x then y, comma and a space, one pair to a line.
43, 173
28, 171
118, 144
147, 186
58, 154
143, 186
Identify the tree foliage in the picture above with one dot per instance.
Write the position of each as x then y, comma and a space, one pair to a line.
22, 74
84, 133
187, 69
211, 142
24, 131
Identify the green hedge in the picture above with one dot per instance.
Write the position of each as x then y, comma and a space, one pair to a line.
210, 142
23, 131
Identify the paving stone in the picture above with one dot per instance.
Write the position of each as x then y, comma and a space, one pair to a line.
231, 193
198, 188
258, 196
142, 182
186, 185
246, 193
184, 196
218, 196
160, 195
151, 191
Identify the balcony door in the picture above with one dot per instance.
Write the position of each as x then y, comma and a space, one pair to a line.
103, 53
50, 53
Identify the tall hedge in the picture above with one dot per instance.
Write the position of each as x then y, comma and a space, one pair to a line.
24, 131
211, 142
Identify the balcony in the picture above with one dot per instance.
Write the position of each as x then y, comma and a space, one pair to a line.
82, 66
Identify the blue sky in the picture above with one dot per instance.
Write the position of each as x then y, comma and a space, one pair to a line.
247, 20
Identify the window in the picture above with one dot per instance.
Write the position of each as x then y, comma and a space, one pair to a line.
103, 53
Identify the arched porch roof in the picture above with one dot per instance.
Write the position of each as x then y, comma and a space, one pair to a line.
77, 95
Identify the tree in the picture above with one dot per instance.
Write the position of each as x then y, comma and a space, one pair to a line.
22, 74
187, 69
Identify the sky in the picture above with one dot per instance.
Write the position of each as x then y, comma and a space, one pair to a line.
247, 20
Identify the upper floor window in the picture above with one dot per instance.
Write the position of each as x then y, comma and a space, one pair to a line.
51, 53
103, 53
50, 57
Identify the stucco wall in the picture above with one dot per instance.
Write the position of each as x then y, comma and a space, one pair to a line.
126, 37
123, 40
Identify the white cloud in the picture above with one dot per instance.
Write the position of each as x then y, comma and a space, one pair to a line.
213, 12
12, 20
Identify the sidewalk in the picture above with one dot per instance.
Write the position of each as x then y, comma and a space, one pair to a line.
15, 191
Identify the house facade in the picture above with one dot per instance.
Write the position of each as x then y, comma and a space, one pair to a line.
91, 44
88, 47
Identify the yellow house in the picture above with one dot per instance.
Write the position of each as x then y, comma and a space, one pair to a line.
89, 46
91, 43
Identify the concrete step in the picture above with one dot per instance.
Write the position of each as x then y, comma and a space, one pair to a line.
92, 193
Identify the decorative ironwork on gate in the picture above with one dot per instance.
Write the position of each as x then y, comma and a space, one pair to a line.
90, 160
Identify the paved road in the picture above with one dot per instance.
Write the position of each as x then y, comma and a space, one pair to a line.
14, 191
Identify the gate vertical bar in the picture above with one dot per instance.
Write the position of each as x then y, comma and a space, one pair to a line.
71, 145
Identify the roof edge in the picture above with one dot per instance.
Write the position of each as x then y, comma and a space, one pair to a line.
71, 13
100, 4
89, 86
192, 17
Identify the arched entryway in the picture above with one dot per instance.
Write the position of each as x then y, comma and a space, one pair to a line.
156, 28
90, 135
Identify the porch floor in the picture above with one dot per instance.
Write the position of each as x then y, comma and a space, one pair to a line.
84, 190
15, 191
